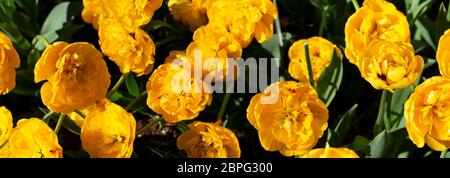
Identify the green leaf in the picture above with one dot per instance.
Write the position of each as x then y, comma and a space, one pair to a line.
360, 145
425, 28
70, 125
32, 58
429, 63
182, 127
378, 145
388, 144
132, 86
416, 8
58, 24
61, 15
273, 46
330, 80
63, 34
116, 96
343, 125
441, 23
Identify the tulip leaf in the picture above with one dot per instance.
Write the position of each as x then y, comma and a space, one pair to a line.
61, 15
378, 145
417, 8
58, 24
424, 28
343, 125
63, 34
360, 145
442, 23
9, 27
431, 31
330, 80
388, 144
273, 46
70, 125
132, 86
428, 63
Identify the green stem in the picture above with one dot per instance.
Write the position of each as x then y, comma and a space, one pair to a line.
135, 101
43, 40
355, 4
380, 117
165, 41
59, 123
148, 126
223, 107
323, 21
285, 74
308, 62
117, 85
48, 116
443, 153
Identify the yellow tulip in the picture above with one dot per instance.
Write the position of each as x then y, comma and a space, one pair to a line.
427, 114
443, 54
9, 62
32, 138
321, 53
108, 131
188, 12
175, 94
76, 76
329, 152
245, 19
132, 50
294, 123
390, 65
376, 19
208, 140
214, 42
130, 13
6, 125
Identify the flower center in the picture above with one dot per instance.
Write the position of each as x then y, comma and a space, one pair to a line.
209, 144
70, 67
119, 139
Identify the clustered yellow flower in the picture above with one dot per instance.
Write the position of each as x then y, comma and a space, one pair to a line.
390, 65
191, 13
32, 138
108, 131
120, 36
76, 76
329, 152
208, 140
214, 42
443, 54
6, 125
131, 13
376, 19
293, 123
427, 114
245, 19
175, 94
9, 62
321, 53
132, 50
377, 41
